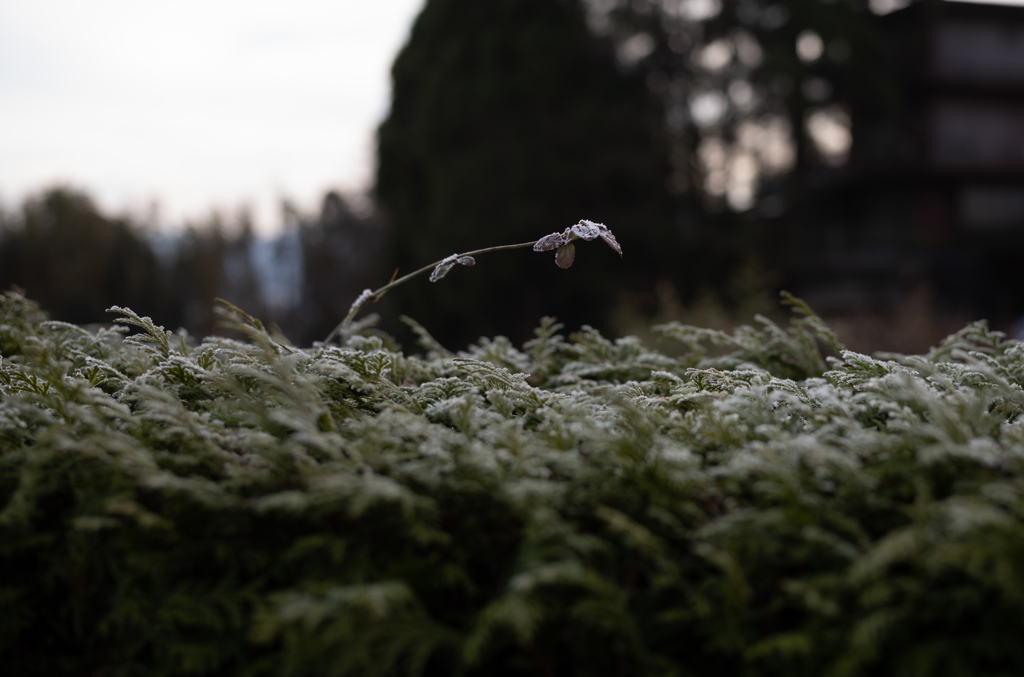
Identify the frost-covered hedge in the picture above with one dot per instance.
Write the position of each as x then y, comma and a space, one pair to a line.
737, 506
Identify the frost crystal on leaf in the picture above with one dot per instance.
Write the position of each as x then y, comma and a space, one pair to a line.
442, 268
363, 298
549, 242
610, 240
584, 230
587, 230
467, 261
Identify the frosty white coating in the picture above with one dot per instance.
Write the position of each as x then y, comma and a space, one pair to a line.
442, 268
587, 230
549, 242
363, 298
610, 240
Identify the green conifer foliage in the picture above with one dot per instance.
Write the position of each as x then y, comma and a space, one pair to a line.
510, 117
760, 503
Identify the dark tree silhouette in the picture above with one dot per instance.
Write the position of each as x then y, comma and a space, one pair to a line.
340, 252
75, 261
510, 120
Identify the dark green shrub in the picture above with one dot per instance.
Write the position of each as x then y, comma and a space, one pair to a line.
578, 507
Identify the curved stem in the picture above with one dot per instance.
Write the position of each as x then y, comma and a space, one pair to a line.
374, 295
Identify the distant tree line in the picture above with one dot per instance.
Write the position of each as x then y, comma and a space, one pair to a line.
77, 261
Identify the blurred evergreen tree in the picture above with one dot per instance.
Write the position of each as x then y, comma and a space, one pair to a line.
75, 261
511, 120
61, 249
213, 259
340, 257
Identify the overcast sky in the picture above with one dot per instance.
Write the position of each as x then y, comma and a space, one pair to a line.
194, 103
197, 104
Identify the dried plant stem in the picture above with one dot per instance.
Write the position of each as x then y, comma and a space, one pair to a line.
374, 295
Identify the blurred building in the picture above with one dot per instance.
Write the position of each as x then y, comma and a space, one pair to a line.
932, 196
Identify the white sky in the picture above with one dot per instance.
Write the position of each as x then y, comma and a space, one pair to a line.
197, 104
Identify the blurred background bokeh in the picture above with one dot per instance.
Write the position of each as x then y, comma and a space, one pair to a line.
867, 156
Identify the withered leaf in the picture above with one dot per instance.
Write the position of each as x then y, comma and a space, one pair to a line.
565, 255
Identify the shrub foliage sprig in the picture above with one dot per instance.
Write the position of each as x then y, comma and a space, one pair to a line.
580, 506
